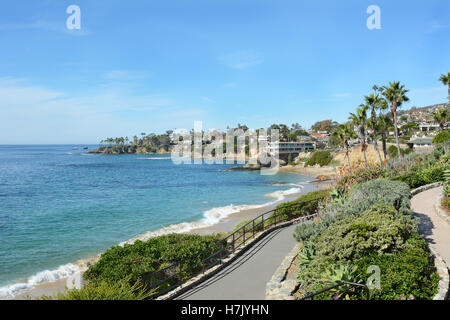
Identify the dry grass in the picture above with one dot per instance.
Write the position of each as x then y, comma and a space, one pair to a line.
357, 157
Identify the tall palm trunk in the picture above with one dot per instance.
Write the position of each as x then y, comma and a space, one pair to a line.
363, 146
394, 116
375, 142
376, 148
348, 157
449, 95
383, 142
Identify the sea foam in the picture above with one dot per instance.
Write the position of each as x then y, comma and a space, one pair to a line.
216, 215
63, 271
210, 217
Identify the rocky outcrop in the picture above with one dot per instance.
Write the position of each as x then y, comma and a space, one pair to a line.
127, 150
246, 167
257, 166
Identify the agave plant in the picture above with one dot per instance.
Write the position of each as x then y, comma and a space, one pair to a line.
342, 273
447, 182
338, 195
306, 254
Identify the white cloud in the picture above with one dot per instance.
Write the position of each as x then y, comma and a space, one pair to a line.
241, 59
436, 26
207, 99
36, 114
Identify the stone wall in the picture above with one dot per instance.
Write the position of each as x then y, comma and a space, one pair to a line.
280, 288
440, 211
426, 187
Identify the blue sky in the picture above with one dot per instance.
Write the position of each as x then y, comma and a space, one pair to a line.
148, 66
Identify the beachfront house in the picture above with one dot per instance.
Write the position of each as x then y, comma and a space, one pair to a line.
291, 148
425, 142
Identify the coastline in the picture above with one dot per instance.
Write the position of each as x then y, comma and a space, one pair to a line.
220, 223
312, 171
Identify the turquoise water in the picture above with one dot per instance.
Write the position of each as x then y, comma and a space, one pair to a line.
58, 205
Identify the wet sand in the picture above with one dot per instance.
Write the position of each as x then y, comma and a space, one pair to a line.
312, 171
232, 220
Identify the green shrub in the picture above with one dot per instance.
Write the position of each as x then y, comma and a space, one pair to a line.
360, 198
321, 158
393, 151
409, 272
378, 229
335, 163
380, 191
119, 290
360, 176
423, 175
305, 231
135, 260
304, 205
379, 236
445, 203
438, 151
258, 226
442, 137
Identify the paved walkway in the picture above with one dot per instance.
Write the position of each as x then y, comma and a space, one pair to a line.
433, 228
246, 277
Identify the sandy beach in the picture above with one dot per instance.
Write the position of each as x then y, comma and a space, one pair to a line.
225, 225
311, 171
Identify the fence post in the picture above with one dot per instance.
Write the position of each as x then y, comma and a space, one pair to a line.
253, 228
233, 241
262, 222
244, 237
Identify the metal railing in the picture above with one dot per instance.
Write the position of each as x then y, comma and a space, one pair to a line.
175, 274
354, 284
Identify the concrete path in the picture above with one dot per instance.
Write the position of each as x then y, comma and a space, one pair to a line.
246, 277
433, 228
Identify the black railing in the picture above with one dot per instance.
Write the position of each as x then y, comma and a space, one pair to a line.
175, 274
354, 284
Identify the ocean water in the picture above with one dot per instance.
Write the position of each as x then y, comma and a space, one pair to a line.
58, 205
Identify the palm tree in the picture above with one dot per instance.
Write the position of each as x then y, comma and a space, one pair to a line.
374, 102
345, 133
395, 94
441, 116
360, 119
384, 122
445, 79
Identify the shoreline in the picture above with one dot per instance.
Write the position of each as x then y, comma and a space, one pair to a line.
202, 227
312, 171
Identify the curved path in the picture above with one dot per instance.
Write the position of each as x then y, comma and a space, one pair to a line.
432, 227
246, 277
